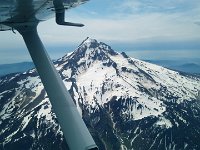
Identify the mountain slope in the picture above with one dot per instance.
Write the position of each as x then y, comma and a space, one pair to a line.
124, 102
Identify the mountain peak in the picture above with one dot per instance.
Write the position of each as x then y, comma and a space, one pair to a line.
94, 44
91, 48
89, 41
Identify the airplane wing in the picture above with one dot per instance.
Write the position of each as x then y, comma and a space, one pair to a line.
27, 11
24, 16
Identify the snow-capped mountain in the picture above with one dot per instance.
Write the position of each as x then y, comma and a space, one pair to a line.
126, 103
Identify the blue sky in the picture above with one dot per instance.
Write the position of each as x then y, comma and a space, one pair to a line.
145, 29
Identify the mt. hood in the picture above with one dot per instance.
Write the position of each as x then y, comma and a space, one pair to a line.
126, 103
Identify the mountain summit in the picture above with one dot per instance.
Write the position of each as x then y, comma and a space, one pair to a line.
126, 103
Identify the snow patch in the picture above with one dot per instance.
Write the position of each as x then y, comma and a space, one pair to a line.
164, 123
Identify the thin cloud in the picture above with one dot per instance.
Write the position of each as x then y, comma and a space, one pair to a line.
164, 6
197, 23
108, 20
132, 28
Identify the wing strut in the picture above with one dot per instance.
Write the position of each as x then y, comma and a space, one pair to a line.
72, 125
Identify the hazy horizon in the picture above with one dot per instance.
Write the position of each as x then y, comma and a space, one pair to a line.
190, 56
